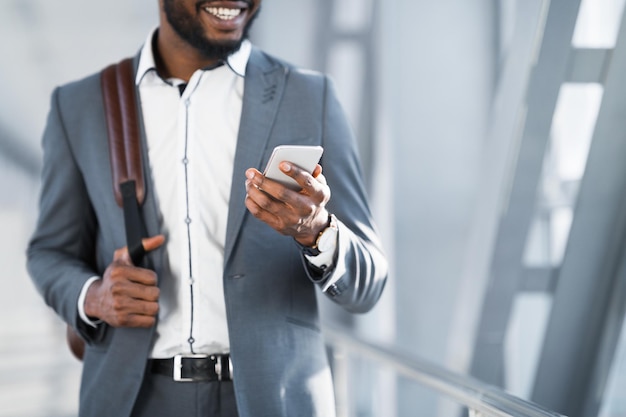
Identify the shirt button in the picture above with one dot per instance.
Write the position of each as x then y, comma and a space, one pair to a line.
185, 161
188, 220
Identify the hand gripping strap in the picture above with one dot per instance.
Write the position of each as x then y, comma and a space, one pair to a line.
118, 92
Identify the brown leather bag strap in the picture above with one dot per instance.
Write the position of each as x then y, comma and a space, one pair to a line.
120, 105
118, 91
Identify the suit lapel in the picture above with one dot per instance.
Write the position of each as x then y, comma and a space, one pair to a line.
264, 84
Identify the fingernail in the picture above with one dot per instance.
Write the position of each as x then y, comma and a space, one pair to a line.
285, 166
250, 174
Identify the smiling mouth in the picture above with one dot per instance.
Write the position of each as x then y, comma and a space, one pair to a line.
223, 13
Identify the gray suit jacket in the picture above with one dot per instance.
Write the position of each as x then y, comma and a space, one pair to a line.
277, 348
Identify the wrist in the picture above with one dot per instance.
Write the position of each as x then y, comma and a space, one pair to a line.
310, 239
325, 241
82, 302
90, 303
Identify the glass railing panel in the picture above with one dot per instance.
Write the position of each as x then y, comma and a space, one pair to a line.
364, 373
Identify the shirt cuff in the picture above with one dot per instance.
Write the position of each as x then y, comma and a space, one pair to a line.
323, 261
81, 303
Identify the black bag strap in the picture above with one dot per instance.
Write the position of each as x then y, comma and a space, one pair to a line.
120, 105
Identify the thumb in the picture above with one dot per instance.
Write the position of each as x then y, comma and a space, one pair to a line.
148, 243
153, 242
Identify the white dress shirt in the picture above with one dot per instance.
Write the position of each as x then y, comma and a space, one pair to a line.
191, 145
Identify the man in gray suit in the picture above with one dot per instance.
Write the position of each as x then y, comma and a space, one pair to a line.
222, 319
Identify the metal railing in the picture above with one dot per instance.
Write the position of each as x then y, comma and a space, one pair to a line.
480, 399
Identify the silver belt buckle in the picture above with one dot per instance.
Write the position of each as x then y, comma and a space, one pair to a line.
178, 365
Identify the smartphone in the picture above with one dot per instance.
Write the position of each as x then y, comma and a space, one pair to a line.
306, 157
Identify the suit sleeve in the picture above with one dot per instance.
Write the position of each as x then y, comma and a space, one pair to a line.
60, 255
360, 271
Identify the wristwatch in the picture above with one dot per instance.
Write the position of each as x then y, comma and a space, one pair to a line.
326, 240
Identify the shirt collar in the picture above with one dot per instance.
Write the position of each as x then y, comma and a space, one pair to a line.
237, 61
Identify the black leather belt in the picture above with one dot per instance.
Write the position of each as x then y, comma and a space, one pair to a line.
194, 367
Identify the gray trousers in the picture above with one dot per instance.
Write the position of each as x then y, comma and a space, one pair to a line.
161, 396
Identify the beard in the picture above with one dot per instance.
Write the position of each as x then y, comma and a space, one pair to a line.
192, 32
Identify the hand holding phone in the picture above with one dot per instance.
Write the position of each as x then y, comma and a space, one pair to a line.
306, 157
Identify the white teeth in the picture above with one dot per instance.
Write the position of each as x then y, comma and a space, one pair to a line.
223, 13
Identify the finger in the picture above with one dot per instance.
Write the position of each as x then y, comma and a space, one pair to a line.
262, 213
255, 178
121, 256
143, 322
137, 320
302, 177
121, 276
145, 308
143, 289
317, 174
278, 193
123, 307
149, 243
321, 179
144, 277
267, 197
153, 242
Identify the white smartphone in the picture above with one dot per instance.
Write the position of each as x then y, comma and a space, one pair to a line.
306, 157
